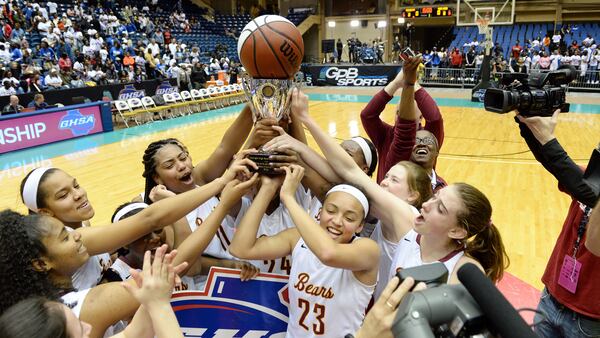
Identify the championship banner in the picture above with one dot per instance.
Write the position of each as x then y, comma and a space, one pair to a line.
351, 75
42, 128
230, 308
129, 92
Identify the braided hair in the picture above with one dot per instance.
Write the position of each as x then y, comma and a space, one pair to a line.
150, 163
20, 245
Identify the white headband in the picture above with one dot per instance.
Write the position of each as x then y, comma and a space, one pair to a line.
365, 149
30, 188
127, 209
355, 193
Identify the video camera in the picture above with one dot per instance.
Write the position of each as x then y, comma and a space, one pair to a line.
473, 308
537, 94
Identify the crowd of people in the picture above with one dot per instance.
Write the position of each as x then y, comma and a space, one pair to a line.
97, 44
338, 234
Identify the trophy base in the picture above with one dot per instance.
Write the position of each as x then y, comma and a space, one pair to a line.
264, 163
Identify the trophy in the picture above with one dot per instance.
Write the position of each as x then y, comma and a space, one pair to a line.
271, 50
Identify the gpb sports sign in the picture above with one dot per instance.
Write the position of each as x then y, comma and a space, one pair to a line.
229, 307
351, 75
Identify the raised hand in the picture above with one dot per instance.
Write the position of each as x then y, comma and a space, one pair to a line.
160, 192
235, 189
263, 132
299, 104
293, 176
156, 280
240, 167
409, 69
542, 127
283, 141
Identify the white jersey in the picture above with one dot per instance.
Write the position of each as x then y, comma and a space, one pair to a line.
387, 254
218, 246
90, 274
270, 225
122, 269
324, 301
74, 300
408, 255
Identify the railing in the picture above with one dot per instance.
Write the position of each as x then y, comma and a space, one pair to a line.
469, 77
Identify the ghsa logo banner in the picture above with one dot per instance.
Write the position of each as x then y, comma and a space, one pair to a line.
78, 123
165, 88
229, 307
129, 92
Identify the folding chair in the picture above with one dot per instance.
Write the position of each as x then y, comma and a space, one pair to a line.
124, 112
180, 99
187, 97
151, 107
136, 107
206, 95
171, 102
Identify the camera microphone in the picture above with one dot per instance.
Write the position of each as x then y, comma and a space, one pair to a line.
503, 318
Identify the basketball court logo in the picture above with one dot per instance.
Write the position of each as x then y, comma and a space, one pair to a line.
229, 307
78, 123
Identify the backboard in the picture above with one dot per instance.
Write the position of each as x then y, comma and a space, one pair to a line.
500, 12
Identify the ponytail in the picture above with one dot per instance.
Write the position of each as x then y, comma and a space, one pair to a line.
487, 248
483, 240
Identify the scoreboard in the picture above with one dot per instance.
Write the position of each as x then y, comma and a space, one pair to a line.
427, 12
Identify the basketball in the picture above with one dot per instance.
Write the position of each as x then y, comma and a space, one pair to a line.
271, 47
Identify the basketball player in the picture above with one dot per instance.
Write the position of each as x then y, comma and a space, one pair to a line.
42, 317
453, 227
405, 180
398, 142
168, 170
45, 256
333, 273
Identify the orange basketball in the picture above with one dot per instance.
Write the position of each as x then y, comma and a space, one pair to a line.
271, 47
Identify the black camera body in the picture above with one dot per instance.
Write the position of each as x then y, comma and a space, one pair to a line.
538, 94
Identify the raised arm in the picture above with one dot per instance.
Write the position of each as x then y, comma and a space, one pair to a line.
245, 245
379, 132
108, 238
405, 128
196, 243
387, 207
360, 255
434, 122
233, 140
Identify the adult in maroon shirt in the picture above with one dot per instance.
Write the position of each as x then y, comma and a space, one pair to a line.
570, 305
398, 142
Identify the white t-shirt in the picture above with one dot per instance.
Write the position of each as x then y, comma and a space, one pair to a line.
324, 301
556, 38
51, 7
575, 60
554, 60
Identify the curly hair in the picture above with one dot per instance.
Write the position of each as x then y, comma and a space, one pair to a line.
150, 163
20, 245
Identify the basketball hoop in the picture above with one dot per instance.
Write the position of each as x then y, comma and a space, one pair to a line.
483, 25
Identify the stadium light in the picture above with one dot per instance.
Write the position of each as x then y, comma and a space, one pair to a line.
401, 21
331, 24
381, 24
354, 23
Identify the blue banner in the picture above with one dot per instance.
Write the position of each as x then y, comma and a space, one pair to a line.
229, 307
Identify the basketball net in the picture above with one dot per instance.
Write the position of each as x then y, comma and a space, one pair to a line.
483, 24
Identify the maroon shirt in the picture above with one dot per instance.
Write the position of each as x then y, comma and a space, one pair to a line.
586, 299
395, 143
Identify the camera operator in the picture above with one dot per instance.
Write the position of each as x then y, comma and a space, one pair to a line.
569, 301
351, 48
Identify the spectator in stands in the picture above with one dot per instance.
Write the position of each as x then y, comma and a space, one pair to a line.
498, 50
5, 55
234, 70
7, 88
555, 60
35, 84
576, 59
515, 51
544, 61
456, 58
17, 33
470, 60
593, 66
435, 62
13, 107
76, 81
199, 76
547, 41
38, 102
53, 81
588, 41
64, 63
